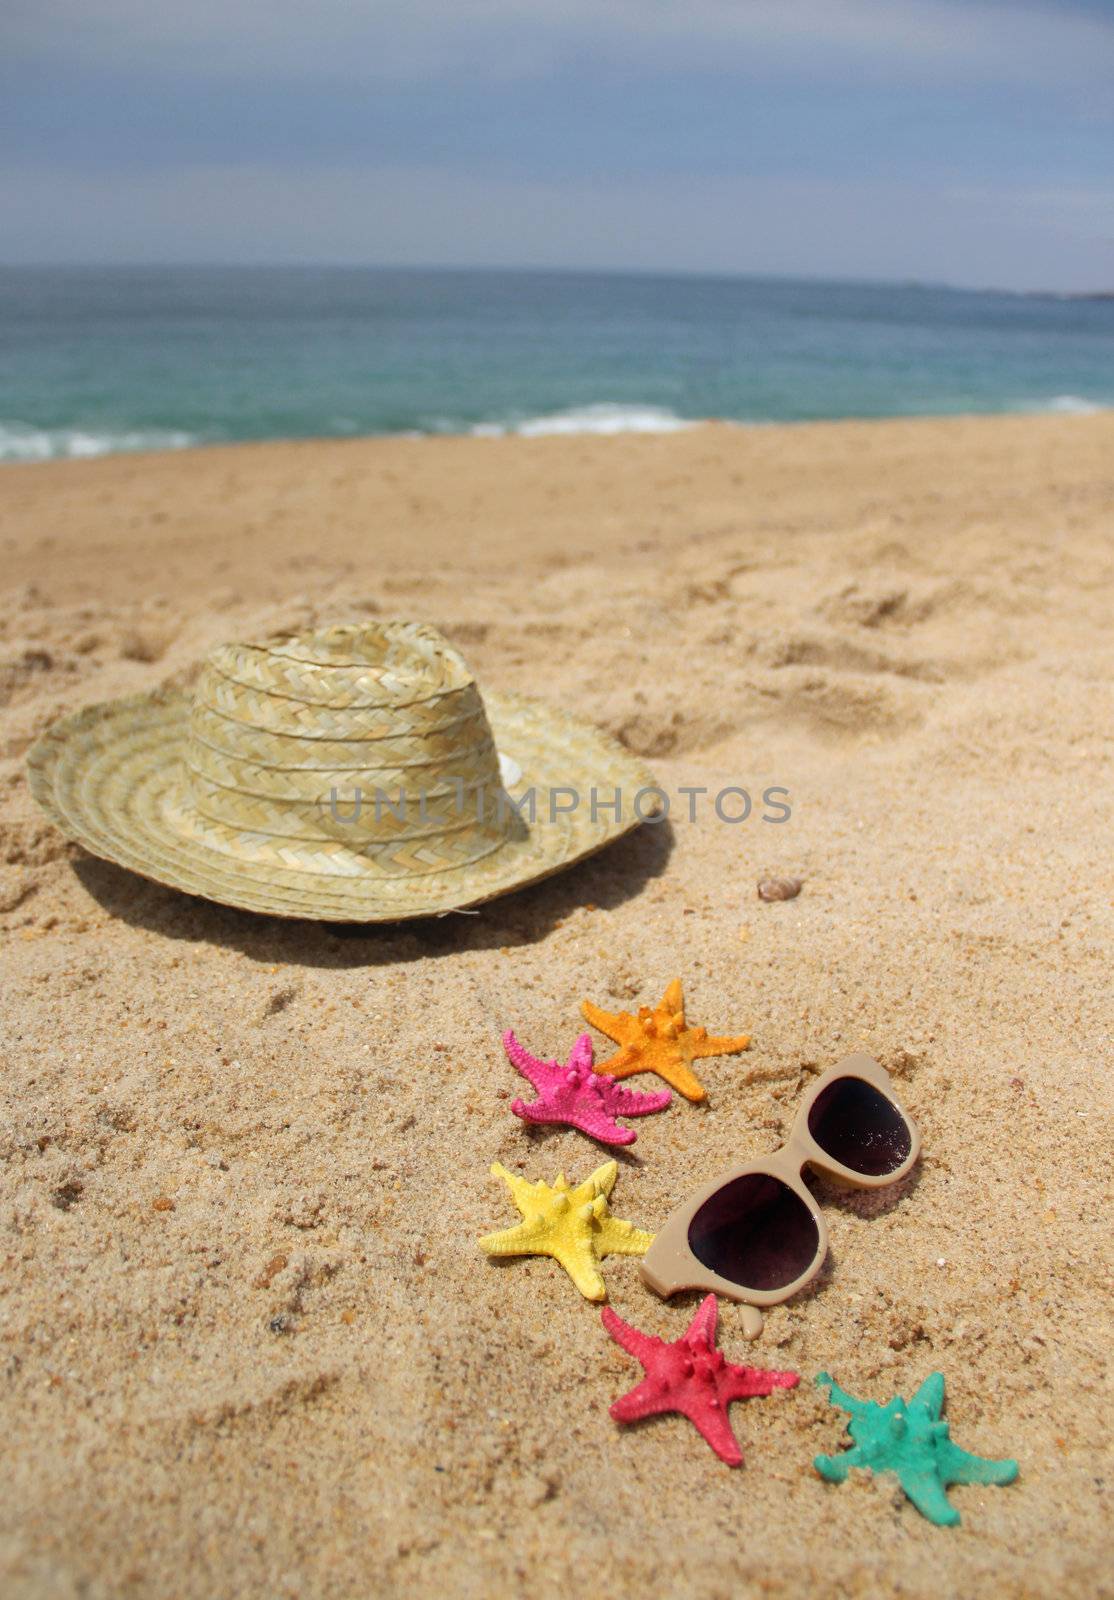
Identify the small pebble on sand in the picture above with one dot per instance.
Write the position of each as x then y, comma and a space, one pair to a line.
779, 888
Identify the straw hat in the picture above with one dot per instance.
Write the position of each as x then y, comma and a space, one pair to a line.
354, 774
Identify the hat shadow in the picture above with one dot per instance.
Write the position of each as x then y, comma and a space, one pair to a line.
608, 879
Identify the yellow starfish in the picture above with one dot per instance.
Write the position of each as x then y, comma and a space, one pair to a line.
658, 1041
574, 1226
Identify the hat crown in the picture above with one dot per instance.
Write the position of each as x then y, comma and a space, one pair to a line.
355, 664
371, 736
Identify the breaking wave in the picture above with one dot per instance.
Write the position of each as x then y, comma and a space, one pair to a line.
21, 442
601, 418
1071, 405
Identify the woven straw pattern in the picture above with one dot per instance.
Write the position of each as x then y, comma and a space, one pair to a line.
297, 754
386, 696
139, 782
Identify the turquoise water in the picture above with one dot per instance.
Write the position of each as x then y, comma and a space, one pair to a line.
100, 359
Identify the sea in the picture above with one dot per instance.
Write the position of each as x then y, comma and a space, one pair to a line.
97, 359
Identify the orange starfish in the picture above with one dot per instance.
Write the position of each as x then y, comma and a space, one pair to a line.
658, 1041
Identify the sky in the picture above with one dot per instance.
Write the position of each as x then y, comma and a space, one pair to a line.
958, 141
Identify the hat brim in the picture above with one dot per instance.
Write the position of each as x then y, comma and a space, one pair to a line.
112, 778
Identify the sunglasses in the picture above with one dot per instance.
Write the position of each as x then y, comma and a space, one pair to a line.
755, 1234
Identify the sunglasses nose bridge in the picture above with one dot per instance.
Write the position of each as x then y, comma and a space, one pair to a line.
788, 1166
808, 1154
786, 1163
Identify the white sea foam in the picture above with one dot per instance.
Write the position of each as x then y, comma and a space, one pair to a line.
601, 418
21, 442
1072, 405
1075, 405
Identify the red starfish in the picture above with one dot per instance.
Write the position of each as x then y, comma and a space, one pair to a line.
690, 1376
577, 1095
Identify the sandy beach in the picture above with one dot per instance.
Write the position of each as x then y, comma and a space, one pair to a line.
249, 1345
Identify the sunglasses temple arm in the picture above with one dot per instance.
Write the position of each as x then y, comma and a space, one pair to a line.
753, 1320
751, 1316
663, 1286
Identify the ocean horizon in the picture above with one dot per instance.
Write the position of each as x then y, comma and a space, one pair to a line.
95, 360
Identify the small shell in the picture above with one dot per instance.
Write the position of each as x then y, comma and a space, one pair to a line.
779, 888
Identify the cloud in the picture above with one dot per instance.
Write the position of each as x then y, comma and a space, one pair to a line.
493, 40
964, 140
406, 215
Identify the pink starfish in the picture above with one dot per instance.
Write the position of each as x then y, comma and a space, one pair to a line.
579, 1096
690, 1376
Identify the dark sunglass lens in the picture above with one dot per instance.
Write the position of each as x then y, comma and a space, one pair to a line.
756, 1232
857, 1126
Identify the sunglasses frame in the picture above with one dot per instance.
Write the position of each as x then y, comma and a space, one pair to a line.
670, 1263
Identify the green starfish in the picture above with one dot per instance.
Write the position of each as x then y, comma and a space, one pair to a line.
912, 1441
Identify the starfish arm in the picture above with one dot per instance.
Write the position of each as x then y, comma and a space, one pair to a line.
538, 1072
602, 1181
927, 1494
741, 1383
619, 1238
680, 1076
533, 1110
839, 1397
834, 1469
635, 1103
717, 1430
522, 1240
931, 1395
603, 1020
599, 1126
674, 997
705, 1317
714, 1046
624, 1064
646, 1399
636, 1343
959, 1466
522, 1192
579, 1261
582, 1053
